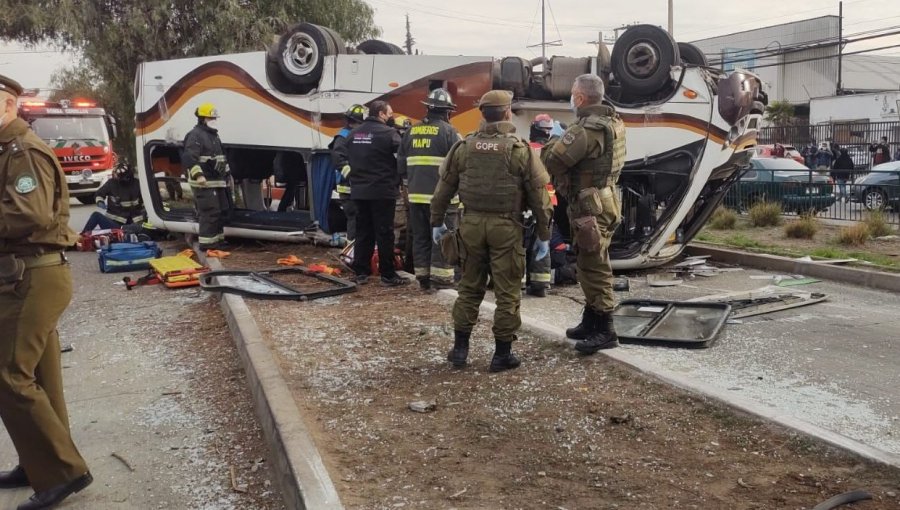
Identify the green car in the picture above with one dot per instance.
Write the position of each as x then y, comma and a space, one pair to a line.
781, 180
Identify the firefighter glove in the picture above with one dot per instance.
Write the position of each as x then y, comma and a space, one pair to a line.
542, 249
437, 232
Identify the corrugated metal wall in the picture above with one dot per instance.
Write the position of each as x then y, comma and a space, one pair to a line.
786, 81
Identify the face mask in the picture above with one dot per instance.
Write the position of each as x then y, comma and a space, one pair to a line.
3, 120
572, 103
212, 123
391, 122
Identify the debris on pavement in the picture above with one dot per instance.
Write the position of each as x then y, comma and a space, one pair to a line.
423, 406
696, 323
67, 348
621, 285
761, 301
290, 260
264, 285
793, 282
659, 280
122, 460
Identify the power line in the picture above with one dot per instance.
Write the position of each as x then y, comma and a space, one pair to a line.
811, 59
794, 49
757, 20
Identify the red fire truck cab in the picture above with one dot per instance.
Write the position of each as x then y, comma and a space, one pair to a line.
80, 134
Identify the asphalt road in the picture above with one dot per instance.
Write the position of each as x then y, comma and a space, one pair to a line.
79, 214
832, 364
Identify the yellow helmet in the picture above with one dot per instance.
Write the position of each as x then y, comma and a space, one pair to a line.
207, 110
402, 121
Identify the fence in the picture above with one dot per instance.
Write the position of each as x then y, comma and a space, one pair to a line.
803, 191
855, 137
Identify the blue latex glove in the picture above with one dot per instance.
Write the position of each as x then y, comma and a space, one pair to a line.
543, 249
437, 232
557, 129
101, 204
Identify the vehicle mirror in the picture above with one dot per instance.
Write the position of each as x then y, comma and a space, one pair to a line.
113, 127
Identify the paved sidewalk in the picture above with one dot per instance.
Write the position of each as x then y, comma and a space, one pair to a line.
166, 395
833, 364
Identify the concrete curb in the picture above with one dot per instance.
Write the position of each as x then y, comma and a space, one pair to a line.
872, 279
555, 334
302, 475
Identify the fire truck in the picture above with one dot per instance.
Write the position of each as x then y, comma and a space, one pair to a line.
80, 134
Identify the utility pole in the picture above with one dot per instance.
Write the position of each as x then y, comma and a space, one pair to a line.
543, 31
409, 38
840, 47
671, 18
544, 42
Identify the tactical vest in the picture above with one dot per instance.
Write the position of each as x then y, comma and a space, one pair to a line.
604, 170
487, 183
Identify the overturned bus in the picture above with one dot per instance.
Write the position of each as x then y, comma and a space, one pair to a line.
690, 128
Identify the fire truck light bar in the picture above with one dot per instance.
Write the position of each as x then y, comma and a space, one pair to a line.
34, 103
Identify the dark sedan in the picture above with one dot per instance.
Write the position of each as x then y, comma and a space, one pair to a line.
880, 188
784, 181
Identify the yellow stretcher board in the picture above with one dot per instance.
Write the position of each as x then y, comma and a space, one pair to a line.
177, 271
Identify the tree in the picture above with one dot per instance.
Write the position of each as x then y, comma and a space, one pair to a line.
114, 36
780, 113
409, 38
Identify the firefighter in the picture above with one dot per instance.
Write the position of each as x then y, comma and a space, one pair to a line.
120, 199
354, 117
497, 176
207, 171
537, 271
585, 163
421, 154
35, 289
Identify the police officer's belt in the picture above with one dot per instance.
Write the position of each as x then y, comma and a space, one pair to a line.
46, 260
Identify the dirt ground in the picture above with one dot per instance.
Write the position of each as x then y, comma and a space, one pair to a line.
772, 239
563, 431
210, 356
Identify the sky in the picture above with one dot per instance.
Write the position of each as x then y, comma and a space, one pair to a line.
508, 27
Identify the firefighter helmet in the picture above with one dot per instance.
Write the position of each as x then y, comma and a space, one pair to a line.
207, 110
439, 99
123, 169
356, 113
402, 122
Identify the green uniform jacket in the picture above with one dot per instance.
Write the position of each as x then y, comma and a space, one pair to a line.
34, 199
580, 159
521, 163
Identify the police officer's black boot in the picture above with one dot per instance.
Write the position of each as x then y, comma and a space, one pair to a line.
460, 351
587, 325
503, 358
603, 337
606, 327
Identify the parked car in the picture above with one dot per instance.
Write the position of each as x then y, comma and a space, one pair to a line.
781, 180
766, 151
880, 188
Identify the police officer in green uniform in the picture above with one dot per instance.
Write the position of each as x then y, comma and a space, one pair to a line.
35, 289
585, 163
207, 171
421, 154
497, 176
